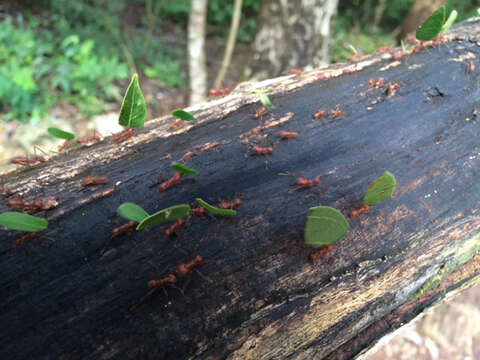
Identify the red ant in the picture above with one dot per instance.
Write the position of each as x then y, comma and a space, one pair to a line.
296, 71
383, 49
186, 268
392, 89
182, 270
90, 180
167, 280
471, 66
65, 145
288, 134
260, 112
124, 228
363, 209
26, 161
319, 114
303, 182
127, 134
35, 205
399, 55
88, 139
25, 238
376, 83
176, 124
198, 211
219, 92
317, 254
263, 151
230, 205
419, 47
171, 230
209, 146
336, 113
172, 181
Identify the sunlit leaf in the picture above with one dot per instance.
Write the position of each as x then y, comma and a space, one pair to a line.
182, 169
183, 115
215, 210
380, 189
431, 28
60, 134
22, 222
265, 100
134, 109
325, 226
327, 211
131, 211
172, 213
451, 19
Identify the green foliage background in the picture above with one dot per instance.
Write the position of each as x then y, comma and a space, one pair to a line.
83, 52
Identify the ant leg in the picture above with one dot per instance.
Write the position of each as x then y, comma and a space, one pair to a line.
144, 299
203, 276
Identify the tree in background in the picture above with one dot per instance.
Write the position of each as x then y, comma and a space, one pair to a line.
196, 51
419, 12
292, 34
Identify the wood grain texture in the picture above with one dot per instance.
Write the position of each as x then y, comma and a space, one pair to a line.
68, 295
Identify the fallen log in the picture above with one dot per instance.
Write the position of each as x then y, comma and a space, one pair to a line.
71, 294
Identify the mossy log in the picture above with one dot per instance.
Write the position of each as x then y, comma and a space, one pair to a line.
68, 294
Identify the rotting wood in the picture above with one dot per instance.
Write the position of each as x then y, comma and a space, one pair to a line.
68, 294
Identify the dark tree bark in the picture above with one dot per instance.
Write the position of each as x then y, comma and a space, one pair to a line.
69, 294
292, 34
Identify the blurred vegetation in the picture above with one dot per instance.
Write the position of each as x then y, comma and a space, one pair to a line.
83, 52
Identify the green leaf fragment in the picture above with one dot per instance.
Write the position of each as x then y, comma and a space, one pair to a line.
451, 19
380, 189
22, 222
172, 213
60, 134
134, 109
329, 212
183, 169
183, 115
431, 28
325, 226
131, 211
215, 210
265, 100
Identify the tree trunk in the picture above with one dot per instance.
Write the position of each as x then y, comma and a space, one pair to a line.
292, 34
196, 51
68, 295
419, 12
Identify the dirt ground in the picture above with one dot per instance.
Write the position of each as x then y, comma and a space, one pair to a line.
450, 331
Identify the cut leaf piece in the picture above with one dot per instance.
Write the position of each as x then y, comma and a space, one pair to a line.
134, 109
131, 211
183, 115
329, 212
265, 100
451, 19
380, 189
431, 28
22, 222
183, 169
60, 134
215, 210
172, 213
326, 229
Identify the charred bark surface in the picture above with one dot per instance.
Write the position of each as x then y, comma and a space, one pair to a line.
68, 295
